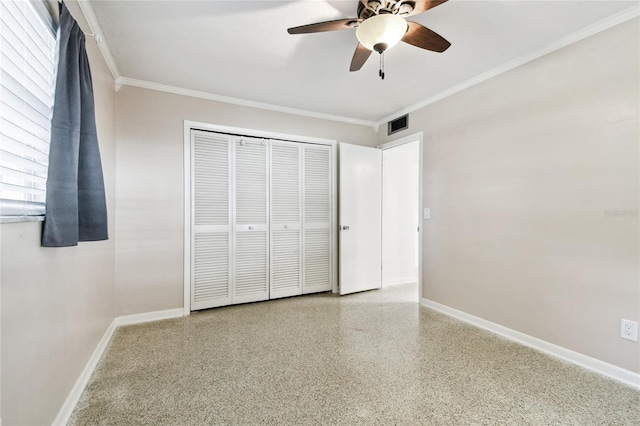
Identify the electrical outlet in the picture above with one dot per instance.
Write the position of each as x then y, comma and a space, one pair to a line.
629, 330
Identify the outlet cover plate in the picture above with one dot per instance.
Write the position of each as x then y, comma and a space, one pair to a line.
629, 330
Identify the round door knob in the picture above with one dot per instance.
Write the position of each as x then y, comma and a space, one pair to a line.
346, 228
251, 228
286, 227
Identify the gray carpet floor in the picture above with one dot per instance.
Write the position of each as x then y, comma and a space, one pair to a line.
370, 358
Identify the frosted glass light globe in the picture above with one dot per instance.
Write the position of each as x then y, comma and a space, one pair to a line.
381, 32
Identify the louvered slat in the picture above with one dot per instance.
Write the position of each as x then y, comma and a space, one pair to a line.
317, 252
211, 178
317, 181
251, 264
285, 262
285, 183
251, 200
211, 267
317, 219
286, 197
251, 183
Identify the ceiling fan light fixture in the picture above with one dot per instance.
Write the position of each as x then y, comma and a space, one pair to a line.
381, 32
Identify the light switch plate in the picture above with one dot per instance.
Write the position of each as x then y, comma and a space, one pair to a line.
427, 213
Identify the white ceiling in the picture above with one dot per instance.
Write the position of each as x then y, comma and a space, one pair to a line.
241, 49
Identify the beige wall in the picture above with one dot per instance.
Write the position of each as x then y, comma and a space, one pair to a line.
56, 302
520, 172
150, 184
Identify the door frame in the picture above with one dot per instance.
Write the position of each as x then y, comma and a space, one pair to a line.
188, 201
392, 144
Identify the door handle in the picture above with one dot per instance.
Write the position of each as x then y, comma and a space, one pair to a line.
286, 227
344, 228
250, 228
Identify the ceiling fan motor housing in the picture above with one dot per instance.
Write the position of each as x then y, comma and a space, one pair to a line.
379, 7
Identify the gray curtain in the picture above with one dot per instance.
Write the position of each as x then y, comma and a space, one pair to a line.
75, 205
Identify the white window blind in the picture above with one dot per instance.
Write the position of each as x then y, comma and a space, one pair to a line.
27, 69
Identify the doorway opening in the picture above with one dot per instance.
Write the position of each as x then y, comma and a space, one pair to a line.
401, 206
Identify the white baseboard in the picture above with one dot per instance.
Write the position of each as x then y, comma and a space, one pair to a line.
399, 281
149, 316
72, 399
76, 391
625, 376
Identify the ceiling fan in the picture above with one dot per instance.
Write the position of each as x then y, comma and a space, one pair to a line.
380, 25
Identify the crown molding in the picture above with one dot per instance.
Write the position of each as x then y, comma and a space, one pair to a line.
605, 24
94, 26
125, 81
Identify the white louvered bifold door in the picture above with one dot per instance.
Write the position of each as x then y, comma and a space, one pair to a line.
211, 220
317, 214
251, 220
286, 212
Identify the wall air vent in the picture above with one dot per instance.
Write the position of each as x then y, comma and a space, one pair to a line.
400, 123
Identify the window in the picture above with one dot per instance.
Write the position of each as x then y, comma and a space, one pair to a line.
27, 67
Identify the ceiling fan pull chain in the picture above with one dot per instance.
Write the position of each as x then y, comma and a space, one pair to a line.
381, 71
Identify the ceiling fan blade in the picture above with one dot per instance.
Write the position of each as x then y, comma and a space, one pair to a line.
339, 24
424, 38
360, 56
423, 6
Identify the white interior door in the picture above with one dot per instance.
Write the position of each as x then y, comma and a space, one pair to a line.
286, 211
317, 236
251, 221
360, 218
211, 220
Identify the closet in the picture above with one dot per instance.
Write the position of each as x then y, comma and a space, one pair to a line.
261, 213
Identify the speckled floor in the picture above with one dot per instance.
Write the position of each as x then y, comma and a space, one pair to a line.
370, 358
